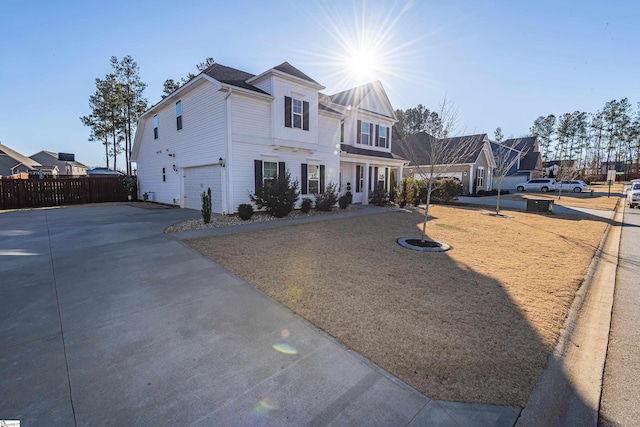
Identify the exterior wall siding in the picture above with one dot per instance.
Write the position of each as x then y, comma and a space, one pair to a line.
201, 141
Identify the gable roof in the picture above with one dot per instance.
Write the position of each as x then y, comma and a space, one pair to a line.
54, 159
354, 97
287, 68
526, 143
232, 77
19, 158
417, 147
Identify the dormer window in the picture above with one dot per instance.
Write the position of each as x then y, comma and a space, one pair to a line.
296, 113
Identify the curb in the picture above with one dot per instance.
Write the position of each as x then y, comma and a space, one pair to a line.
568, 391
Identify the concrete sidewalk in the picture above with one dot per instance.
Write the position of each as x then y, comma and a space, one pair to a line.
489, 202
106, 320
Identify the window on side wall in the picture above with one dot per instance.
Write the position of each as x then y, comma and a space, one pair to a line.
179, 115
155, 127
269, 172
342, 131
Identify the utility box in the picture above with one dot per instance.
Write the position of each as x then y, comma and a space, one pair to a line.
539, 205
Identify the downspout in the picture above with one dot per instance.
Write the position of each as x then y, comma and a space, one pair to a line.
228, 161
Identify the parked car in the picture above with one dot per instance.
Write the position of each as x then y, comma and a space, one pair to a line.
633, 194
538, 184
574, 185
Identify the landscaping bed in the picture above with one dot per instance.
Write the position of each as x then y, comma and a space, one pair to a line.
474, 324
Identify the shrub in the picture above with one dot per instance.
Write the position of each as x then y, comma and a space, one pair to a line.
343, 201
447, 190
245, 211
206, 206
392, 186
306, 205
277, 196
379, 196
328, 198
401, 193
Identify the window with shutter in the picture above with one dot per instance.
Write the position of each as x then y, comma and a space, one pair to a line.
296, 113
366, 133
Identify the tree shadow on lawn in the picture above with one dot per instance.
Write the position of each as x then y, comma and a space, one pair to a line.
451, 332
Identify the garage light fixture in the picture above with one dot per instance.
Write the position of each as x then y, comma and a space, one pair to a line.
221, 161
175, 168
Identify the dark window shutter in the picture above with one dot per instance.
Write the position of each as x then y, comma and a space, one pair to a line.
321, 178
371, 133
358, 178
386, 178
305, 115
287, 111
375, 178
388, 136
258, 173
370, 173
377, 144
359, 131
281, 169
303, 178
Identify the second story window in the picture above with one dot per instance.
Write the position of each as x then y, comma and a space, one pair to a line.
155, 127
296, 113
382, 137
179, 115
365, 133
342, 131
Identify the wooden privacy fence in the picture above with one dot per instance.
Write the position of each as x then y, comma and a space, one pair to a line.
35, 193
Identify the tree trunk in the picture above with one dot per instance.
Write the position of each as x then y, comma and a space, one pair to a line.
426, 212
498, 202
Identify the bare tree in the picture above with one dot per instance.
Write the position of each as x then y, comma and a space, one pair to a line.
506, 159
433, 159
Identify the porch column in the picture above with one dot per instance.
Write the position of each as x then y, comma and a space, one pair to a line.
365, 190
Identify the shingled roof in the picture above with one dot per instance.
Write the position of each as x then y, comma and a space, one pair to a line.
417, 147
232, 77
287, 68
19, 158
527, 144
352, 96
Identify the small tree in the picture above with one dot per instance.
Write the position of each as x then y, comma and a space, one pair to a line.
206, 206
379, 196
277, 196
328, 198
506, 158
434, 159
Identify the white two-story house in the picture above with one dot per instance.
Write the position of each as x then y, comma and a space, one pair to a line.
230, 131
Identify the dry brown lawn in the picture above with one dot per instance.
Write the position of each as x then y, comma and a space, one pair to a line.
474, 324
599, 199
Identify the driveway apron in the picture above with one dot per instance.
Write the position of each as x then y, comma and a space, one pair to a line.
106, 320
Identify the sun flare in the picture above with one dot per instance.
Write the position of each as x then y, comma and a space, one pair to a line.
363, 64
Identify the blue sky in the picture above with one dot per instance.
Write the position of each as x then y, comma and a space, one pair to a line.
502, 63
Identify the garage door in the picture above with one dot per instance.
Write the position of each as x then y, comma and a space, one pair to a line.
196, 181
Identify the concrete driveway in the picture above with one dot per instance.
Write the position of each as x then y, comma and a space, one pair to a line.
106, 320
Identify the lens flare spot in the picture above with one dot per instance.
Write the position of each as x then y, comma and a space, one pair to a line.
284, 334
263, 407
285, 348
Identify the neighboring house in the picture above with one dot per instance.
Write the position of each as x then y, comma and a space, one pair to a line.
618, 166
474, 169
12, 162
528, 165
232, 131
553, 167
49, 160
